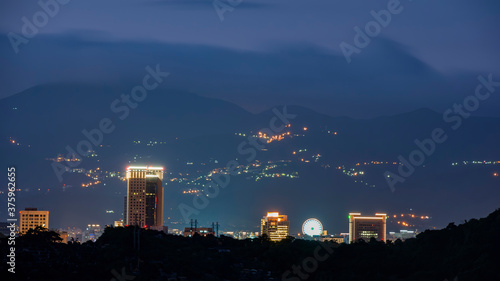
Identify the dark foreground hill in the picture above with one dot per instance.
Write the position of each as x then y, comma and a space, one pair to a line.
465, 252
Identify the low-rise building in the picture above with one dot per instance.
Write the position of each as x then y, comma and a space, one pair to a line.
30, 218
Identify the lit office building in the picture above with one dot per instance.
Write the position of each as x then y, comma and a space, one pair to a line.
92, 233
30, 218
144, 201
361, 227
276, 226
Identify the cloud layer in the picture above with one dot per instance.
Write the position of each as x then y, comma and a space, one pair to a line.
384, 79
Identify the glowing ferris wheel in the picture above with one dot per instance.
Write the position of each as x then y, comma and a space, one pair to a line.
312, 227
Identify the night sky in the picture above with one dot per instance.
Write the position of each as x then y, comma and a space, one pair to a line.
281, 51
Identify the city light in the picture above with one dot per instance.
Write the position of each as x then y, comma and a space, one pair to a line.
144, 168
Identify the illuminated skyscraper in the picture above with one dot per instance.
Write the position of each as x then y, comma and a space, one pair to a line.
144, 197
367, 227
31, 218
276, 226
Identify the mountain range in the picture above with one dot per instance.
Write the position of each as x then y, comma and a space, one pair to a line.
41, 122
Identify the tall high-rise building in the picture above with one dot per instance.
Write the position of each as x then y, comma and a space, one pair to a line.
361, 227
276, 226
144, 197
31, 218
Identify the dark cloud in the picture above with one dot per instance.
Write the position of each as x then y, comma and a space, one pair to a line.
449, 35
384, 79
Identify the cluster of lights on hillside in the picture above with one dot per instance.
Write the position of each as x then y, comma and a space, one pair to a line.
151, 142
278, 137
256, 172
377, 163
191, 191
61, 158
16, 142
91, 184
408, 220
484, 162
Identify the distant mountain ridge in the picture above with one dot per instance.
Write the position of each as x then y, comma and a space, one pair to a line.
54, 116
